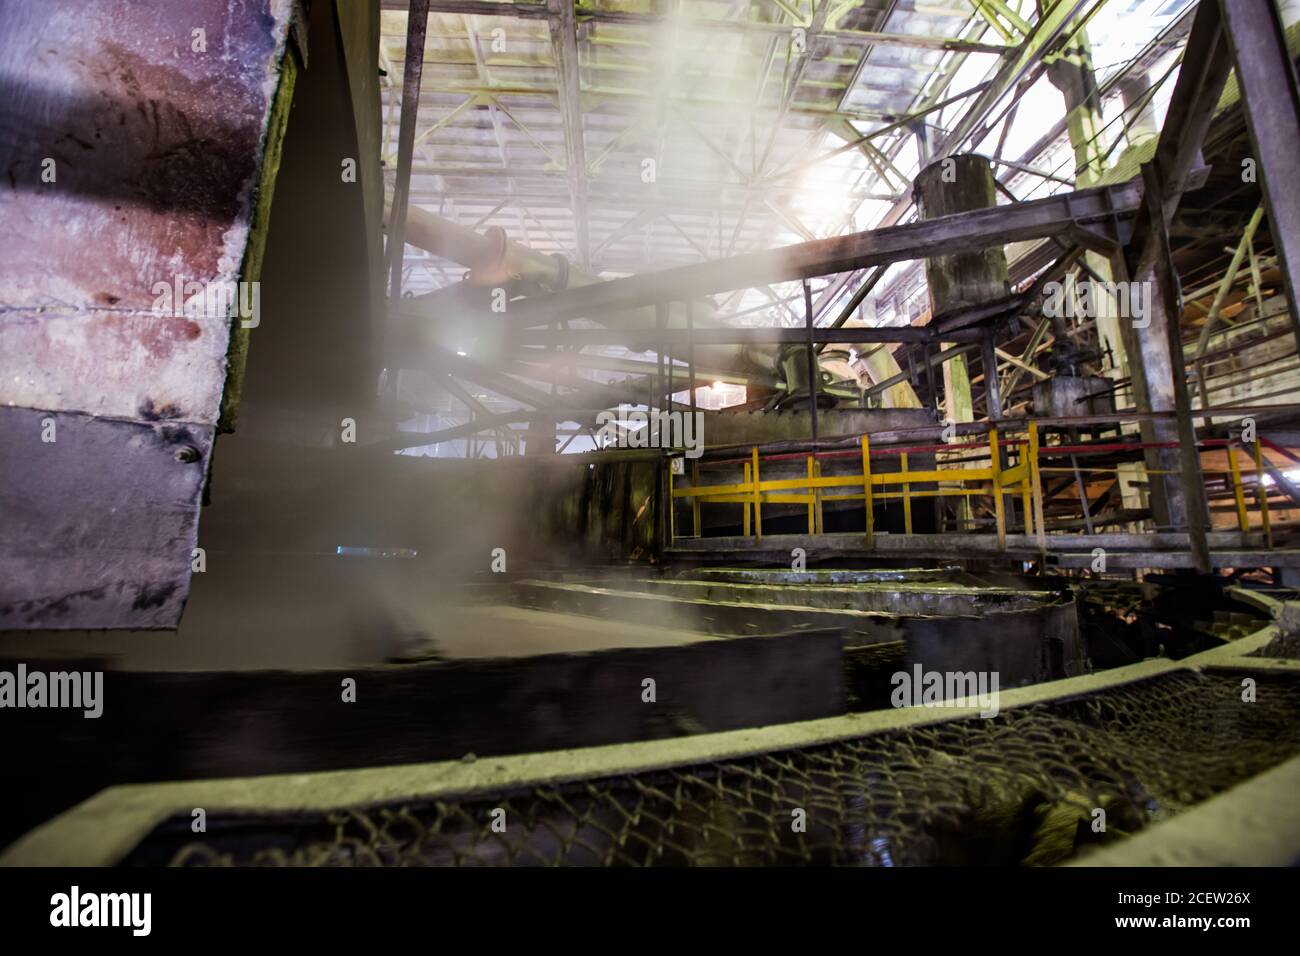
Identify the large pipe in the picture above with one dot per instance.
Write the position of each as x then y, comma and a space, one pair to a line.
957, 283
494, 259
491, 256
953, 185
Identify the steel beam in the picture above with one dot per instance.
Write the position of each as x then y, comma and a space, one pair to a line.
677, 338
564, 45
857, 142
1047, 31
791, 86
1106, 207
1270, 99
1160, 382
1165, 301
416, 25
631, 366
706, 101
932, 361
540, 11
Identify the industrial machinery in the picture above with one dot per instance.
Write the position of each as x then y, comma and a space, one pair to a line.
449, 432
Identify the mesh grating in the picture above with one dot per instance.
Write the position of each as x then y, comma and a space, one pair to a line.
1022, 787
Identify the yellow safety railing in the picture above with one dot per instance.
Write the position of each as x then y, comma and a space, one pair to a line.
1022, 480
815, 488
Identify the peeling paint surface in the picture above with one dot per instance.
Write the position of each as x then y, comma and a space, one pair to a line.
132, 134
155, 150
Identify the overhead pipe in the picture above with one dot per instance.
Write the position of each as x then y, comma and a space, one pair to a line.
491, 256
496, 260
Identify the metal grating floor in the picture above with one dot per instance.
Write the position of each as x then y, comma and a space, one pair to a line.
1019, 788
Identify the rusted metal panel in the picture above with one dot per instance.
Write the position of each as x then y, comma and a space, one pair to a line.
122, 365
154, 147
132, 142
99, 519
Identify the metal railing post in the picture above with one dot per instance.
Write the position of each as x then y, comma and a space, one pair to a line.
1261, 493
996, 469
1040, 523
907, 495
1238, 493
867, 502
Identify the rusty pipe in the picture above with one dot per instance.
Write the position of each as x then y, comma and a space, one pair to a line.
491, 256
495, 259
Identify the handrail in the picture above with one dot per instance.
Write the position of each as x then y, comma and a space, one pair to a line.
936, 431
1022, 479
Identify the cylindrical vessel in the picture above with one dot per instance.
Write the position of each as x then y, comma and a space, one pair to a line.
946, 187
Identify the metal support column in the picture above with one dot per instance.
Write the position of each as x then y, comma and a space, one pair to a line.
812, 357
690, 350
1271, 102
1165, 298
416, 26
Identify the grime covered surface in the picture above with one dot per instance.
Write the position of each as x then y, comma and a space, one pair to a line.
1020, 788
132, 137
